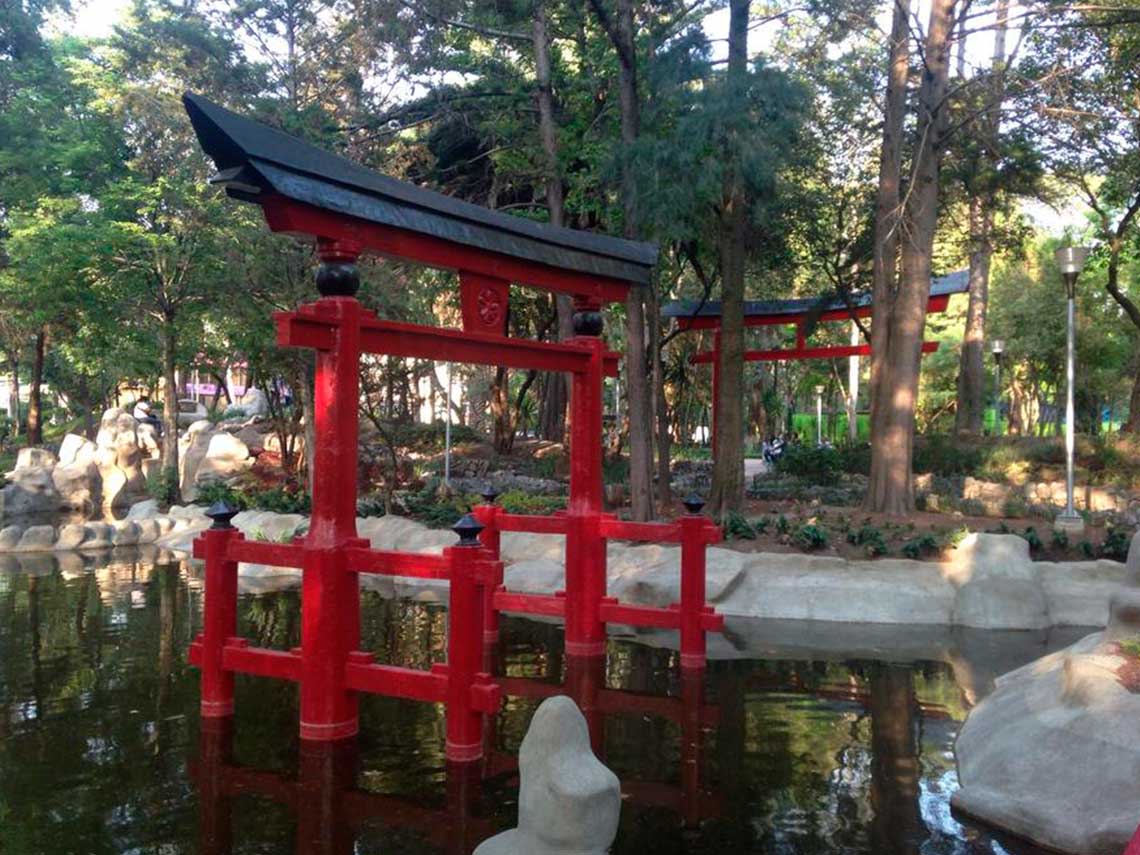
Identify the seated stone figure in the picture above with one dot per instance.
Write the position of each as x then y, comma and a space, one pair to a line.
569, 803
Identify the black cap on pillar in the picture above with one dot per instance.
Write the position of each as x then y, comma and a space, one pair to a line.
468, 529
693, 503
222, 513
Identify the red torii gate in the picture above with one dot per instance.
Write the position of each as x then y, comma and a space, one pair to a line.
348, 211
706, 315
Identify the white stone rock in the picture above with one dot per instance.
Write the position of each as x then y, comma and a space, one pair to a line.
124, 533
144, 510
569, 802
79, 485
37, 538
35, 458
98, 536
70, 536
254, 402
10, 537
997, 584
226, 456
76, 449
148, 531
1053, 755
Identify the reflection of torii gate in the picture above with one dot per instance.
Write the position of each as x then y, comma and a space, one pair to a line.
765, 313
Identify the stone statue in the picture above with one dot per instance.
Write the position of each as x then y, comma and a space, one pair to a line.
569, 802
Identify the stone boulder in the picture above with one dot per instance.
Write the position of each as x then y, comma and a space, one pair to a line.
79, 484
10, 537
37, 538
226, 456
30, 489
76, 449
569, 802
144, 510
1053, 755
254, 402
120, 458
997, 585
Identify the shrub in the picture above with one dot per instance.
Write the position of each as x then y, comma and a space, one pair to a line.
1087, 549
1032, 538
163, 485
1014, 506
870, 538
217, 491
943, 456
924, 544
1060, 539
615, 471
429, 437
811, 537
736, 527
520, 502
817, 465
782, 524
1115, 545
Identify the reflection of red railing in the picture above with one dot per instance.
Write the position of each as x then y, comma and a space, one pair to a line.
585, 684
329, 810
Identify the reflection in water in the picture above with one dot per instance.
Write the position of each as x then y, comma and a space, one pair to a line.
101, 750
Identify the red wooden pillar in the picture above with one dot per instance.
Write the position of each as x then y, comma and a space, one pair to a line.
585, 549
330, 594
692, 699
693, 541
219, 612
486, 514
468, 578
715, 388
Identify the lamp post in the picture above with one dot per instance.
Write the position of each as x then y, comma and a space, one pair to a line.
997, 347
1070, 260
818, 415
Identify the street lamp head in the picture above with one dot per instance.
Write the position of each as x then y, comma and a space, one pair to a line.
1071, 259
997, 346
819, 390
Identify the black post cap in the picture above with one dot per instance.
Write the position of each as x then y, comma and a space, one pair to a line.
222, 513
489, 494
468, 528
693, 503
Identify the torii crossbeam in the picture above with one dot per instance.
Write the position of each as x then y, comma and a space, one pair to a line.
691, 315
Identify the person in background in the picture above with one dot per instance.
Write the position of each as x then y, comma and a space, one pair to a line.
144, 415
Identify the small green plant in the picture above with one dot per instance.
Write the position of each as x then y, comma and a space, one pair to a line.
1032, 538
952, 538
736, 527
760, 524
1000, 528
163, 486
1115, 545
216, 491
1060, 539
924, 544
1130, 647
870, 538
811, 537
520, 502
1087, 549
1014, 506
782, 524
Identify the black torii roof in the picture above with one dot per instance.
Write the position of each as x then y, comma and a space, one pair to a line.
255, 159
940, 286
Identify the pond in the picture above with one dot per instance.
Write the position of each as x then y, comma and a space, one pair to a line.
101, 749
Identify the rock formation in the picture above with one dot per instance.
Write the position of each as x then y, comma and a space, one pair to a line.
569, 802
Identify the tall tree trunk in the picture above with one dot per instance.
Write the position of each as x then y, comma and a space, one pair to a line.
660, 404
309, 414
891, 486
972, 366
728, 465
501, 412
637, 371
1133, 423
971, 370
556, 394
14, 401
170, 407
884, 271
35, 429
897, 827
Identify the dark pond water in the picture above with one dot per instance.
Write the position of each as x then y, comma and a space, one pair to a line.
101, 749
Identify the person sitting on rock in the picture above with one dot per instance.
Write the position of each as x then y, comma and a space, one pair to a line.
144, 415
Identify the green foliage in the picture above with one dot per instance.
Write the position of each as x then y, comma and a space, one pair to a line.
1088, 551
1032, 538
870, 538
1115, 544
615, 471
520, 502
811, 537
429, 438
164, 486
281, 500
1060, 539
924, 544
782, 524
736, 527
816, 465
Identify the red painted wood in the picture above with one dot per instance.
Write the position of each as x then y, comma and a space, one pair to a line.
364, 675
614, 529
418, 565
549, 605
693, 643
633, 615
484, 301
465, 651
531, 523
489, 516
219, 620
286, 215
260, 661
934, 306
272, 554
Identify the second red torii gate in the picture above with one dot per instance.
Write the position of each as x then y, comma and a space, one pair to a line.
706, 315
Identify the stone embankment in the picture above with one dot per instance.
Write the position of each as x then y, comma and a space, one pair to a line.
1053, 754
988, 583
